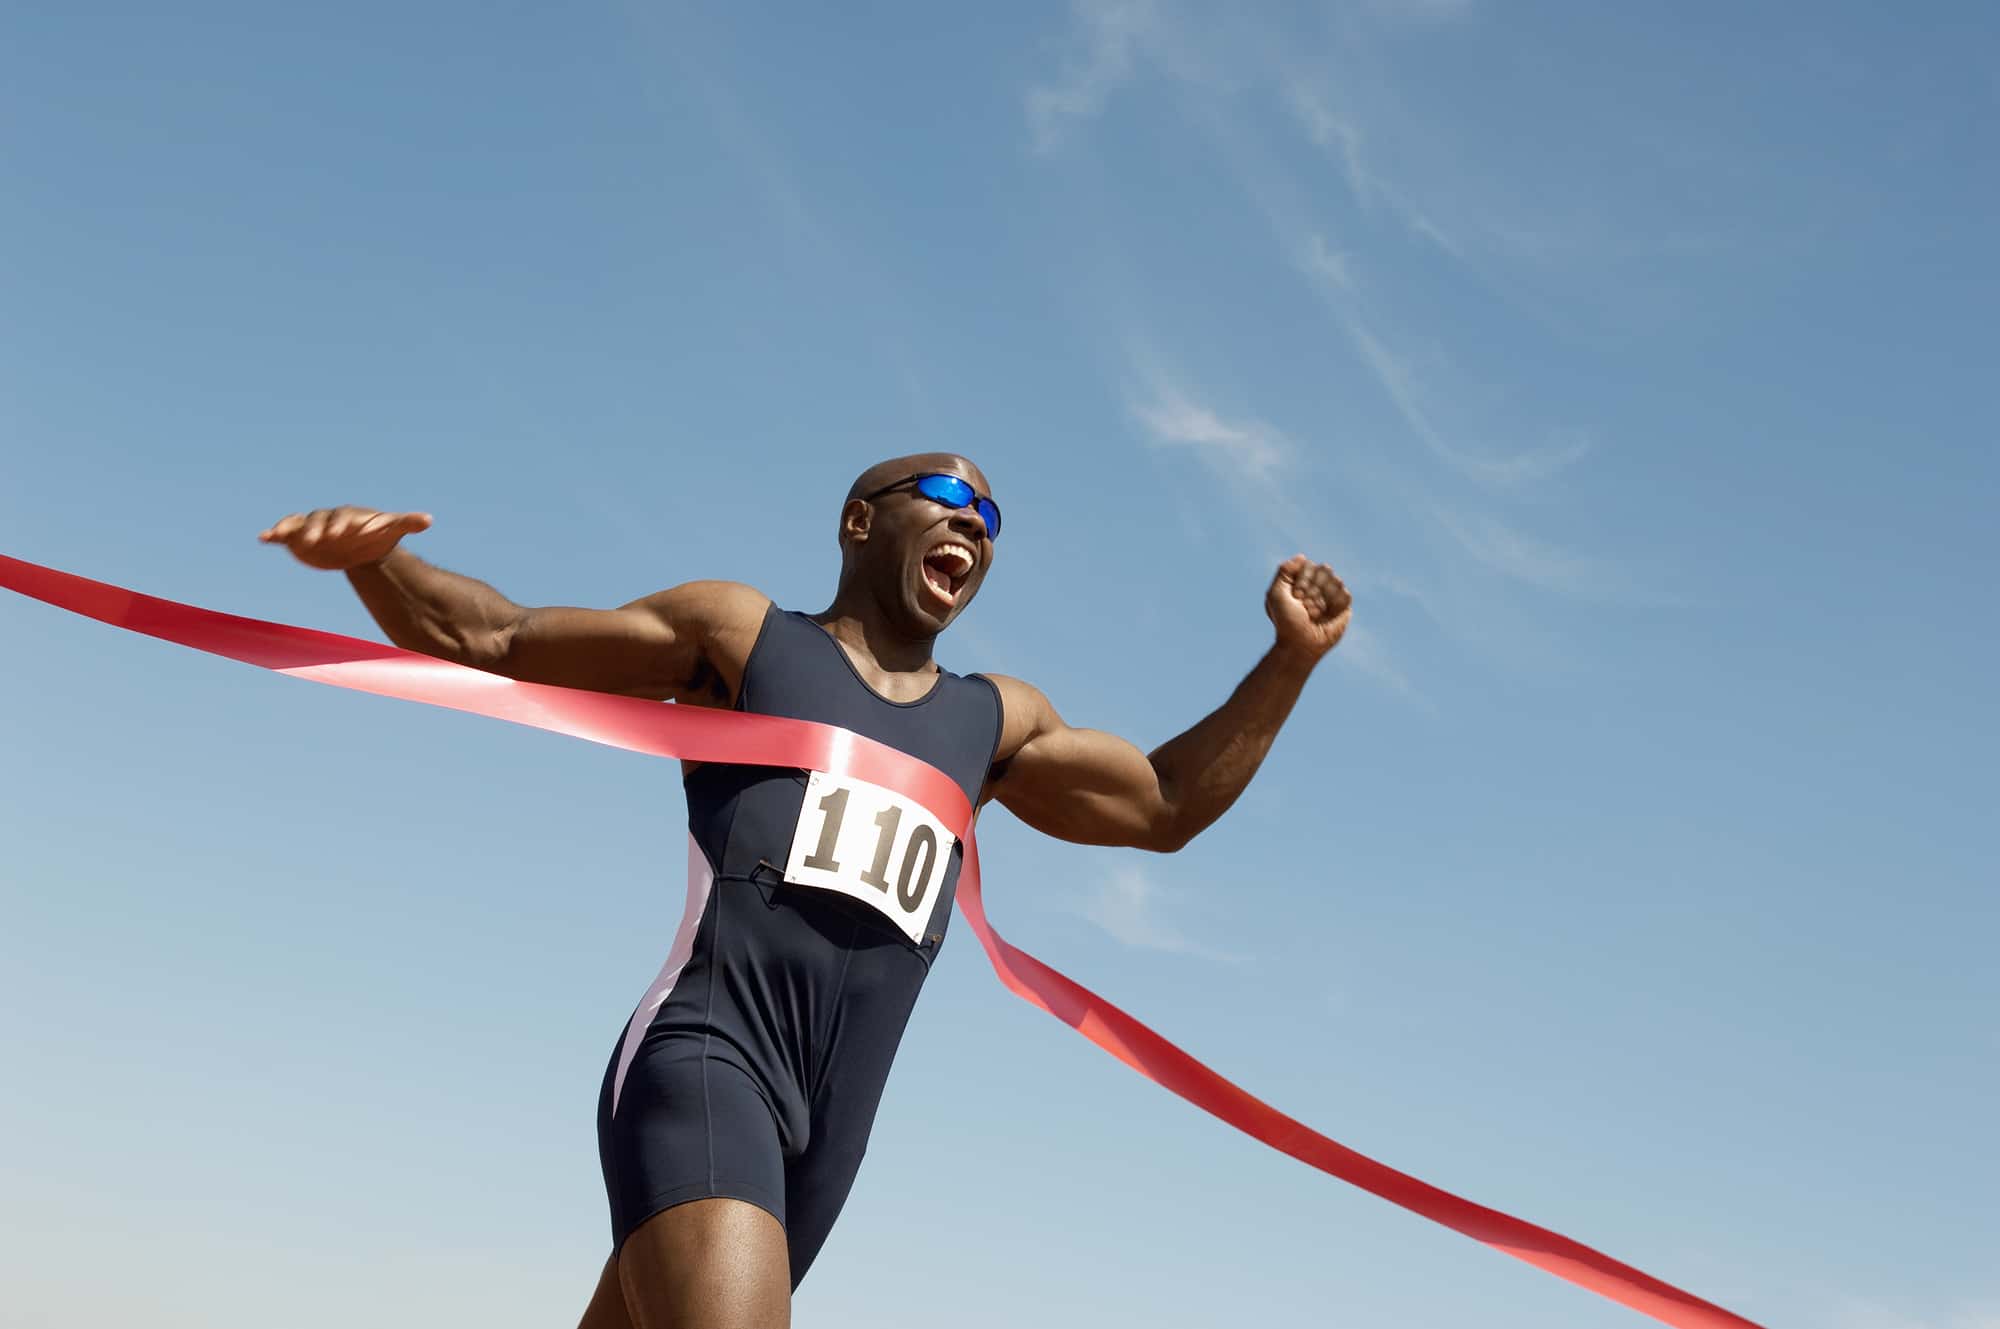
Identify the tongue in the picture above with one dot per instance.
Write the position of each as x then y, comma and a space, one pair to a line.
938, 579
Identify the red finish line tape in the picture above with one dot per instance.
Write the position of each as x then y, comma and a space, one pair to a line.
698, 734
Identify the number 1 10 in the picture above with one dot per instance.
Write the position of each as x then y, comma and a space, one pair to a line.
887, 821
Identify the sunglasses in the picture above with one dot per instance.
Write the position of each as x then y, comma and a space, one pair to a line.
953, 493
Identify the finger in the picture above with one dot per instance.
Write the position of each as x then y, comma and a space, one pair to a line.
1287, 570
409, 523
283, 528
343, 520
373, 524
315, 529
1337, 593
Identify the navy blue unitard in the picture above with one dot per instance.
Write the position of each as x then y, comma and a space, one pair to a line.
753, 1066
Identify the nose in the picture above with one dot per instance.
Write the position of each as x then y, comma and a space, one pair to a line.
968, 522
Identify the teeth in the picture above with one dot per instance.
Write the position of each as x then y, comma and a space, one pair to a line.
960, 556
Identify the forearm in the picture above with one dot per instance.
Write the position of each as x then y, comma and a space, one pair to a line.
1204, 770
427, 609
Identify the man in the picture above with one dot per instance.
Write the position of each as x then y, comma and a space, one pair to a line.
738, 1101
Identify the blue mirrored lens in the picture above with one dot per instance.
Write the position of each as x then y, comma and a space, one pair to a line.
946, 489
990, 514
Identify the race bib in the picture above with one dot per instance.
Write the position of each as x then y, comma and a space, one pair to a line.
873, 845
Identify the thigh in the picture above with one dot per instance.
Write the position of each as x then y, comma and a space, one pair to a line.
707, 1264
817, 1182
688, 1126
817, 1188
607, 1304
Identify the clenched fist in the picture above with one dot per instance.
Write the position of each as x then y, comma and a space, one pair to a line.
1308, 605
346, 537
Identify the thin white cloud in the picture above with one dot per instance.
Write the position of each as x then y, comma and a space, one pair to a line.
1524, 558
1324, 261
1127, 905
1257, 465
1111, 31
1340, 136
1247, 449
1251, 460
1400, 382
1363, 650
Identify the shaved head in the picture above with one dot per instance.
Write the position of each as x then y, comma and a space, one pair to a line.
884, 473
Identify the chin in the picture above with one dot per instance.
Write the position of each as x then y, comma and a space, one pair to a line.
924, 621
924, 615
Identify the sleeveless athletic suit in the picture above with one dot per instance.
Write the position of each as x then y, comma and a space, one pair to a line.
753, 1066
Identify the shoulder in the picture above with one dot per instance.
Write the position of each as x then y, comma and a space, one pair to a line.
706, 610
1024, 713
718, 623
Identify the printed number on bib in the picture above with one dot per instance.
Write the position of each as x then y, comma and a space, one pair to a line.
872, 844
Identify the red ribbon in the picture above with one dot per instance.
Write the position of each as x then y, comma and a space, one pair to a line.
699, 734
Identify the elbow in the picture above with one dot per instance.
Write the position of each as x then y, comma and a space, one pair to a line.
484, 645
1169, 835
489, 651
476, 649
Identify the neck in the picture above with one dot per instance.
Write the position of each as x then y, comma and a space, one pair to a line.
857, 622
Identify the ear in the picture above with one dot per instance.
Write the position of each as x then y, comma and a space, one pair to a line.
855, 520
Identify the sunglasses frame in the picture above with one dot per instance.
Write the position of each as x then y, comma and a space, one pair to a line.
980, 503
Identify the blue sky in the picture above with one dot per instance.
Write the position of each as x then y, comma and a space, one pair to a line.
1624, 869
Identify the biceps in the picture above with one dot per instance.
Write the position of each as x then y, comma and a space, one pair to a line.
630, 651
1087, 787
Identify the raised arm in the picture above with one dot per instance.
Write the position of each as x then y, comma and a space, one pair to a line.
1092, 787
687, 643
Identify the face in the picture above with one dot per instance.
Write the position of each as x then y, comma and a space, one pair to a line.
926, 561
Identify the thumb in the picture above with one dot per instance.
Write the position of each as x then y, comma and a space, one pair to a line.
412, 522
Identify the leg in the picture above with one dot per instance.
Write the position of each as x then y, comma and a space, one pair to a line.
816, 1188
707, 1264
607, 1304
694, 1169
843, 1113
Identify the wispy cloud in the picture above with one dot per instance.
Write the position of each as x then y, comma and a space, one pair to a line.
1127, 905
1327, 263
1332, 246
1334, 271
1363, 650
1340, 136
1399, 380
1501, 549
1252, 461
1250, 449
1110, 32
1258, 466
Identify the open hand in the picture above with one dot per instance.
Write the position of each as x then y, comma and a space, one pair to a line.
1308, 605
346, 537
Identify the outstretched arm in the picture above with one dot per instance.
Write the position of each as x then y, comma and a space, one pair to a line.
686, 643
1095, 788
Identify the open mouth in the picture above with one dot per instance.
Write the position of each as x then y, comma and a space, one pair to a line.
945, 569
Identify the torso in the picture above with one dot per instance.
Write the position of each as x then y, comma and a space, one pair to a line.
746, 815
753, 1066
